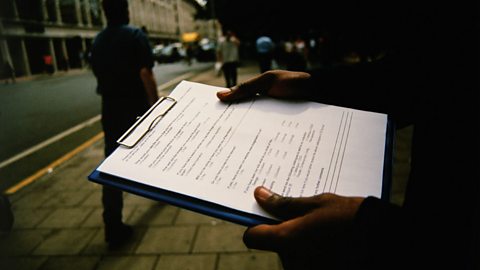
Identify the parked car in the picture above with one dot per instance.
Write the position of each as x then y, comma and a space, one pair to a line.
206, 50
170, 53
157, 49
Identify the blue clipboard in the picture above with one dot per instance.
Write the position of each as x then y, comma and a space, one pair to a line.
222, 212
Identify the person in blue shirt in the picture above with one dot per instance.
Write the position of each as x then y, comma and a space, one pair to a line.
122, 62
265, 48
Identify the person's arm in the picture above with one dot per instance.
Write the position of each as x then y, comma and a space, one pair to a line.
376, 87
146, 63
149, 84
219, 52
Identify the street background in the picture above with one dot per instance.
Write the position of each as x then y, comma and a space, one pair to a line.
51, 138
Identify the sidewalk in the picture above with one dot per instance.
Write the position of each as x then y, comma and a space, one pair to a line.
58, 224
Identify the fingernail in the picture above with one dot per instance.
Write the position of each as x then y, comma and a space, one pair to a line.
224, 92
264, 193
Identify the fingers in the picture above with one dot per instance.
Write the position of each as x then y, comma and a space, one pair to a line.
238, 92
261, 237
275, 83
285, 207
271, 237
292, 210
257, 85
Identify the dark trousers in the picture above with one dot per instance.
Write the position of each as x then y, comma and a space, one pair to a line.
265, 62
117, 117
112, 198
296, 62
230, 73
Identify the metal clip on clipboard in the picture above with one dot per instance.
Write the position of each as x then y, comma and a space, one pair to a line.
146, 122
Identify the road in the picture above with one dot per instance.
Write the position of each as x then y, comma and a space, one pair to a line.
44, 118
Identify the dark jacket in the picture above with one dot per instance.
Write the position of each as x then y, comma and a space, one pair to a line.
429, 80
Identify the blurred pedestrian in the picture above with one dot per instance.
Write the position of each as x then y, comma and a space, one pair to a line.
265, 48
122, 62
228, 55
87, 56
189, 53
9, 72
297, 59
48, 63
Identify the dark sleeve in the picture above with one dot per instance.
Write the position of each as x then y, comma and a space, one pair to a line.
381, 234
380, 86
144, 50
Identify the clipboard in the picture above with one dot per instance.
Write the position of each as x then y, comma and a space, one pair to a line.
128, 140
156, 112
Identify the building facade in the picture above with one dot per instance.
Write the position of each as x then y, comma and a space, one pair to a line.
39, 36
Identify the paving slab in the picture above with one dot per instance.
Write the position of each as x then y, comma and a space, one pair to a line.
187, 262
66, 217
171, 239
65, 242
249, 261
22, 263
71, 263
29, 218
219, 238
128, 262
21, 242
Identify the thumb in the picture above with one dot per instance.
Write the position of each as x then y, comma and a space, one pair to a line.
284, 207
259, 84
236, 93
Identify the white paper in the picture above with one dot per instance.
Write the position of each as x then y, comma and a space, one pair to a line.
220, 152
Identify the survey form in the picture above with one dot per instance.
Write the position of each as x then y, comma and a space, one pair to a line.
196, 145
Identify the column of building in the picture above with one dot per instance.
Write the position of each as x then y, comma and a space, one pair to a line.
87, 23
19, 63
